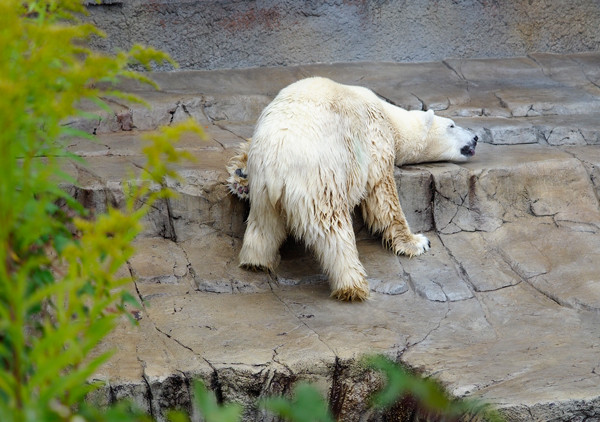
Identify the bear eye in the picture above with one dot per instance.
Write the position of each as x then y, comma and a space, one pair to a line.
452, 126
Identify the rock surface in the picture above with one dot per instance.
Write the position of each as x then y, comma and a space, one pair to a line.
505, 306
211, 34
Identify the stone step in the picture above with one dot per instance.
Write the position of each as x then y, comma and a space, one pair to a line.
546, 130
541, 98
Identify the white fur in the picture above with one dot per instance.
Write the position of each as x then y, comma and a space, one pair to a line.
321, 148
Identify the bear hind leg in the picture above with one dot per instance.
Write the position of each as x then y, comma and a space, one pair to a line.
383, 214
335, 249
265, 232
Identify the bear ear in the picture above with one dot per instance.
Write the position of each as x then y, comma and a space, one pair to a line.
428, 119
427, 123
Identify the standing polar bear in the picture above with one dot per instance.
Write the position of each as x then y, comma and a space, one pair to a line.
321, 148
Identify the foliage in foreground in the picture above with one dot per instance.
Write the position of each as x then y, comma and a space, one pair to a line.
60, 294
306, 405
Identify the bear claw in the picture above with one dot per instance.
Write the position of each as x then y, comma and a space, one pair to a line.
351, 294
255, 268
418, 245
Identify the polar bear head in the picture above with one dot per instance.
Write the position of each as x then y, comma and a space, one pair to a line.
437, 139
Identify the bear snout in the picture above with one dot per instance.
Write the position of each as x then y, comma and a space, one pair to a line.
469, 149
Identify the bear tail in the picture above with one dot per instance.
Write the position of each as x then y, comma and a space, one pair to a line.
237, 182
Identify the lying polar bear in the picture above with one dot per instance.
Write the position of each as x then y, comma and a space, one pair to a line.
321, 148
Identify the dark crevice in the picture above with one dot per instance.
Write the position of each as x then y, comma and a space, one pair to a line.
496, 289
115, 102
506, 259
409, 281
215, 383
588, 171
533, 59
547, 295
432, 194
386, 99
203, 108
338, 391
450, 67
185, 109
133, 276
170, 232
112, 395
225, 128
502, 102
188, 398
170, 337
283, 364
149, 396
437, 327
424, 106
461, 270
167, 230
172, 112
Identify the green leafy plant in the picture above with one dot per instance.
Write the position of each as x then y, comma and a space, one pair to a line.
59, 290
306, 405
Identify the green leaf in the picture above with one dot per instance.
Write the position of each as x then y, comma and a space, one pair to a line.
61, 241
307, 405
128, 298
71, 132
120, 412
177, 416
211, 410
41, 277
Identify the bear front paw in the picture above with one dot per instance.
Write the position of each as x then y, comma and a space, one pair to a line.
417, 245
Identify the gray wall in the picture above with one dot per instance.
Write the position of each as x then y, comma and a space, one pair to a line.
210, 34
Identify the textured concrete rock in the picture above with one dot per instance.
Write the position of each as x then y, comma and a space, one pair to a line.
158, 260
415, 190
590, 157
502, 130
385, 273
482, 265
230, 33
437, 277
213, 260
568, 277
494, 327
505, 306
